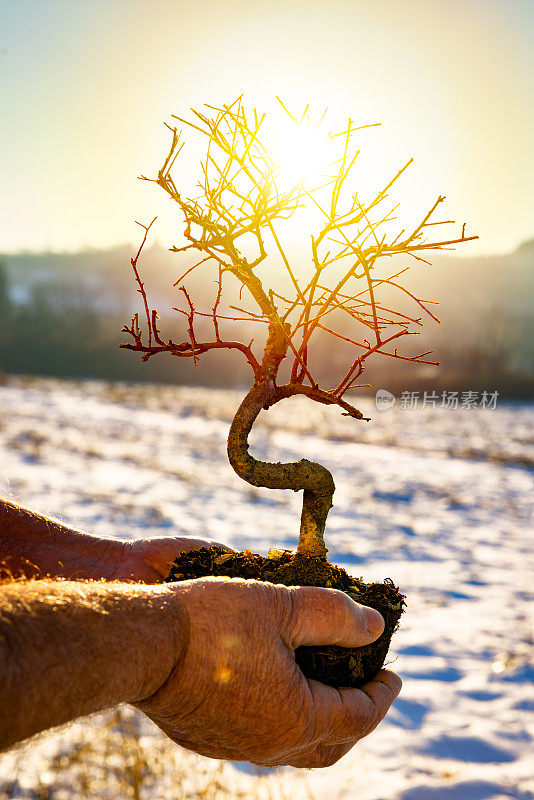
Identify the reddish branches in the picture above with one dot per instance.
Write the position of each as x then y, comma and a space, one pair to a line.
235, 223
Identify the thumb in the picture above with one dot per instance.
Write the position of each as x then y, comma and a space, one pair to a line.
329, 616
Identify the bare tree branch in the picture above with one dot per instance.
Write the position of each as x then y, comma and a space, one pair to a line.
236, 222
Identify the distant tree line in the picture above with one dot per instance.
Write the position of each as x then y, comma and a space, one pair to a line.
63, 329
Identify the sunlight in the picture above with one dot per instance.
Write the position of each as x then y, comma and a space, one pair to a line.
302, 153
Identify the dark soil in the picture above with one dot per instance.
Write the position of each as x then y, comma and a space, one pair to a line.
331, 664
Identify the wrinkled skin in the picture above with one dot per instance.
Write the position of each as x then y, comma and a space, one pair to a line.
149, 560
237, 692
215, 656
32, 545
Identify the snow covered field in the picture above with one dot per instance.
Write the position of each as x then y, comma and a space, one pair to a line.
440, 500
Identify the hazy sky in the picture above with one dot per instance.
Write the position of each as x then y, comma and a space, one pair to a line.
86, 84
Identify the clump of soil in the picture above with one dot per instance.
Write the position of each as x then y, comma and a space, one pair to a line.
330, 664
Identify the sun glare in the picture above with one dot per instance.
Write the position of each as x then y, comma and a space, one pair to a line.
302, 154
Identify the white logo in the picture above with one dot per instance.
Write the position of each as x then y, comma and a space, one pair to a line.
384, 400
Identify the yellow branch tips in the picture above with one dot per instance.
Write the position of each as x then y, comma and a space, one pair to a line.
238, 219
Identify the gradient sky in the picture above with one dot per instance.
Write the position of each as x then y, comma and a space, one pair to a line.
86, 84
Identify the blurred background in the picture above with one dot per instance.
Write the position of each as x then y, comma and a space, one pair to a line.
86, 86
441, 499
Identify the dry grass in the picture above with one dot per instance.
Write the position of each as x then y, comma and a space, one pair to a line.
120, 756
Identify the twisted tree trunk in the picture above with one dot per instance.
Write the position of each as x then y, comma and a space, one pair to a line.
314, 479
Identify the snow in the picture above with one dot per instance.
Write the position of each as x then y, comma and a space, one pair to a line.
440, 500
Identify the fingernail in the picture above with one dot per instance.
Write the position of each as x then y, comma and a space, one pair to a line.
374, 621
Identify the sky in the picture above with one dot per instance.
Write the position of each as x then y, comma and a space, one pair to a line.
85, 86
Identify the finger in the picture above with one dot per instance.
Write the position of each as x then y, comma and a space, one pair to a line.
327, 755
366, 707
328, 616
160, 552
383, 690
186, 545
346, 715
318, 756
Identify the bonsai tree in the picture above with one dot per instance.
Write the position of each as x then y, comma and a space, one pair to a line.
235, 225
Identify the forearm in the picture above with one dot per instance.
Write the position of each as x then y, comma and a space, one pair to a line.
70, 649
31, 544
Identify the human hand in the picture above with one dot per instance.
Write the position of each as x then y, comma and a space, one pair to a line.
236, 691
150, 560
32, 545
